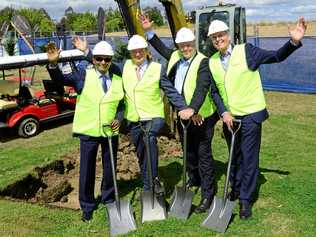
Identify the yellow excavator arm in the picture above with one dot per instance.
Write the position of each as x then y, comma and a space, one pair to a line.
131, 8
175, 15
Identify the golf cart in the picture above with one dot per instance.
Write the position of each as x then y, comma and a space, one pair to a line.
24, 108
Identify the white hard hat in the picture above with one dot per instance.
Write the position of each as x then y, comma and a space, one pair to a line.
137, 42
217, 26
184, 35
103, 48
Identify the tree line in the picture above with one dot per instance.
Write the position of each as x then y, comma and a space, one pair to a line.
40, 21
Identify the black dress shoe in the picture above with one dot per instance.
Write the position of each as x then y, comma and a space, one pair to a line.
204, 205
245, 211
158, 188
86, 216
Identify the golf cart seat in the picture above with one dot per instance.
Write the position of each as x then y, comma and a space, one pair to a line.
6, 104
53, 89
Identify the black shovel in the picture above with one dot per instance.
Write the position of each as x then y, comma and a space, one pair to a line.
152, 207
181, 201
120, 213
222, 208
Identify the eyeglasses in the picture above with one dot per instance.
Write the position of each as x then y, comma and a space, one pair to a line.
106, 59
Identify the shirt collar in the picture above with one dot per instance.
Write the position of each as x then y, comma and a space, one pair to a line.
144, 64
188, 61
228, 52
100, 74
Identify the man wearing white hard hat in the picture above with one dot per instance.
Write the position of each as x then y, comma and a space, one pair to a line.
186, 68
142, 81
235, 71
99, 106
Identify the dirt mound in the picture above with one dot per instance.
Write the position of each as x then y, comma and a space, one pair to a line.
57, 182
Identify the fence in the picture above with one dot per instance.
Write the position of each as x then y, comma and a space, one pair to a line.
296, 74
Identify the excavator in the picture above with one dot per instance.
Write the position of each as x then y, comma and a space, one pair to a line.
233, 15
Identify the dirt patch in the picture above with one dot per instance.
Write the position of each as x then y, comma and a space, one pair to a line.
57, 183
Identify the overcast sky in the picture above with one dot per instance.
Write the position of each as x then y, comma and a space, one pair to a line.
261, 10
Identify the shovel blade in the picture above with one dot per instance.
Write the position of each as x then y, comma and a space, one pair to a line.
181, 203
152, 208
219, 215
120, 224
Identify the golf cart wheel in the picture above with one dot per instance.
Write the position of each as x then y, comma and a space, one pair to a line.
28, 127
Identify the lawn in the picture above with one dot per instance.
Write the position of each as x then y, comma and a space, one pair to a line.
285, 206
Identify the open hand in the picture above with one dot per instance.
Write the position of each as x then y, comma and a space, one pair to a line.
145, 22
297, 32
80, 44
52, 53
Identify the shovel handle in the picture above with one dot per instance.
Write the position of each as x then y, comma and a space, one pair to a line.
186, 124
234, 131
145, 125
117, 199
185, 142
236, 126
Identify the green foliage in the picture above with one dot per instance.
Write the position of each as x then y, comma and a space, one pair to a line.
113, 20
86, 21
47, 25
37, 17
155, 15
9, 46
6, 14
121, 52
113, 25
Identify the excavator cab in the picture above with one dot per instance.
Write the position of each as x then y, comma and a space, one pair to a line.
234, 16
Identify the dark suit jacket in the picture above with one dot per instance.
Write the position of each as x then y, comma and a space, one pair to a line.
77, 78
204, 80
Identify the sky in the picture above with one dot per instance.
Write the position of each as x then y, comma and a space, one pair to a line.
256, 11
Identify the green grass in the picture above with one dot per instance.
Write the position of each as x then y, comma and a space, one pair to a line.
19, 156
286, 205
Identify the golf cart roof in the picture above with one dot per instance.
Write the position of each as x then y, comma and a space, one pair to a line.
9, 87
13, 62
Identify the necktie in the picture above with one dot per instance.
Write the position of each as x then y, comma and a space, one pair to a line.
103, 82
138, 73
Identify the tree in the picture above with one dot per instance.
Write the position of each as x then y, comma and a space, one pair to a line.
6, 14
37, 17
82, 21
155, 15
114, 20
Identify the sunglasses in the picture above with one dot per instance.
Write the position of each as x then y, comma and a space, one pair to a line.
106, 59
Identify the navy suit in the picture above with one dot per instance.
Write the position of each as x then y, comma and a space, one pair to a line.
89, 145
245, 164
200, 163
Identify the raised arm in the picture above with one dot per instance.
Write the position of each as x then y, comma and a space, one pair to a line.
257, 56
74, 79
153, 39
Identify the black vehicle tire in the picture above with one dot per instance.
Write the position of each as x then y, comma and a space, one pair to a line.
28, 127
